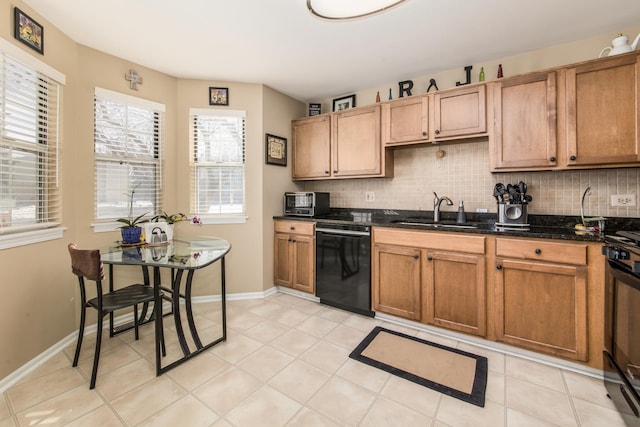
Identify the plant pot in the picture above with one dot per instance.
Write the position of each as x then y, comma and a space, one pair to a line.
131, 235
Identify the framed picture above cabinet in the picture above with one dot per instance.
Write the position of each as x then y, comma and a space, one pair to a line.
344, 103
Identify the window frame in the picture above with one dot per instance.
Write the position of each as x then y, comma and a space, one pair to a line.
50, 228
110, 224
194, 165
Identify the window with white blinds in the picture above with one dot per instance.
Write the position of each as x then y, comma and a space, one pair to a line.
218, 162
29, 189
128, 155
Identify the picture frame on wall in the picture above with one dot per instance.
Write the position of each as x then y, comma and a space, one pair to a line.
275, 150
218, 96
28, 31
344, 103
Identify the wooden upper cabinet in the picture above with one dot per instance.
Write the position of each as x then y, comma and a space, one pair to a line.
405, 120
356, 145
460, 112
602, 114
311, 147
525, 122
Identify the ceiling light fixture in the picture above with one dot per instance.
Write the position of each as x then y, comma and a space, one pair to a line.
336, 10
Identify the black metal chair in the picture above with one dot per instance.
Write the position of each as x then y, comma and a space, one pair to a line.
86, 264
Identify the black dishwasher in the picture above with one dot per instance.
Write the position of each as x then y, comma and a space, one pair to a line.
343, 266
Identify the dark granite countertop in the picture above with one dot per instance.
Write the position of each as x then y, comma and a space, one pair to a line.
541, 226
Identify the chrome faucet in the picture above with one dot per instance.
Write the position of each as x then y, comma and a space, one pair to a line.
436, 206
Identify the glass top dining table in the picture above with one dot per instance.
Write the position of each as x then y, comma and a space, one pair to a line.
182, 257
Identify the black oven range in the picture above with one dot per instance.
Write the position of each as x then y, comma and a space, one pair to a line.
622, 323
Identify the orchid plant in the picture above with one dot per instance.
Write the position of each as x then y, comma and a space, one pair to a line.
170, 218
130, 221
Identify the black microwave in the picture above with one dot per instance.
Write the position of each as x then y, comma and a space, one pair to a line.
306, 203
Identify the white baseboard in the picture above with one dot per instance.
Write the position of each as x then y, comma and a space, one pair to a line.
296, 293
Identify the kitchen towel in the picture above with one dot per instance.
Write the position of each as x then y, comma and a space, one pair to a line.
450, 371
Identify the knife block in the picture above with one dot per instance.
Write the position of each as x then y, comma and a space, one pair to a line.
515, 213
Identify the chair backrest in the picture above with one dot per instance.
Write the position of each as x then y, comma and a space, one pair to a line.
86, 263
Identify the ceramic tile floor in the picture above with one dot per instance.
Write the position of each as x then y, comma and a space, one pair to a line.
286, 363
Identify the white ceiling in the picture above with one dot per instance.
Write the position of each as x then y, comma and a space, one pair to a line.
279, 43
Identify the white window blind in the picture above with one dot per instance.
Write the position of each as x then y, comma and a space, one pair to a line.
218, 162
128, 155
29, 114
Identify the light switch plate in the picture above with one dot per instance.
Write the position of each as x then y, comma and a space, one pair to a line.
370, 196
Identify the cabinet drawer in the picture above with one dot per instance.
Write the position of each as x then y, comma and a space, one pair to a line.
565, 253
295, 227
457, 242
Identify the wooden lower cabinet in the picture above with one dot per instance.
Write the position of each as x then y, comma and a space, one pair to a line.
294, 257
433, 278
541, 304
455, 291
397, 281
537, 294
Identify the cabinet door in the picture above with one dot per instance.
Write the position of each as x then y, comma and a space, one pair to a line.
357, 149
405, 121
525, 123
282, 266
543, 307
603, 111
304, 257
310, 148
460, 112
396, 281
455, 292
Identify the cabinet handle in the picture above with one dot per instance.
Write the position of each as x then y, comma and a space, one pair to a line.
498, 267
437, 131
428, 258
552, 159
424, 134
292, 228
572, 158
538, 251
335, 171
416, 257
326, 172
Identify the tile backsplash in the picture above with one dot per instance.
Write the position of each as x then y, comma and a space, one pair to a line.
463, 174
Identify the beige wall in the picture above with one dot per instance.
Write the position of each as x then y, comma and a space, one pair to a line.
37, 307
277, 179
463, 174
245, 264
39, 304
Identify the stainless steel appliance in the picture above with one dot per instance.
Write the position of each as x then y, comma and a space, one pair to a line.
343, 266
622, 323
513, 202
306, 203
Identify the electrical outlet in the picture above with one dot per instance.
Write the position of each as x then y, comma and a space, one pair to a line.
625, 200
369, 196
